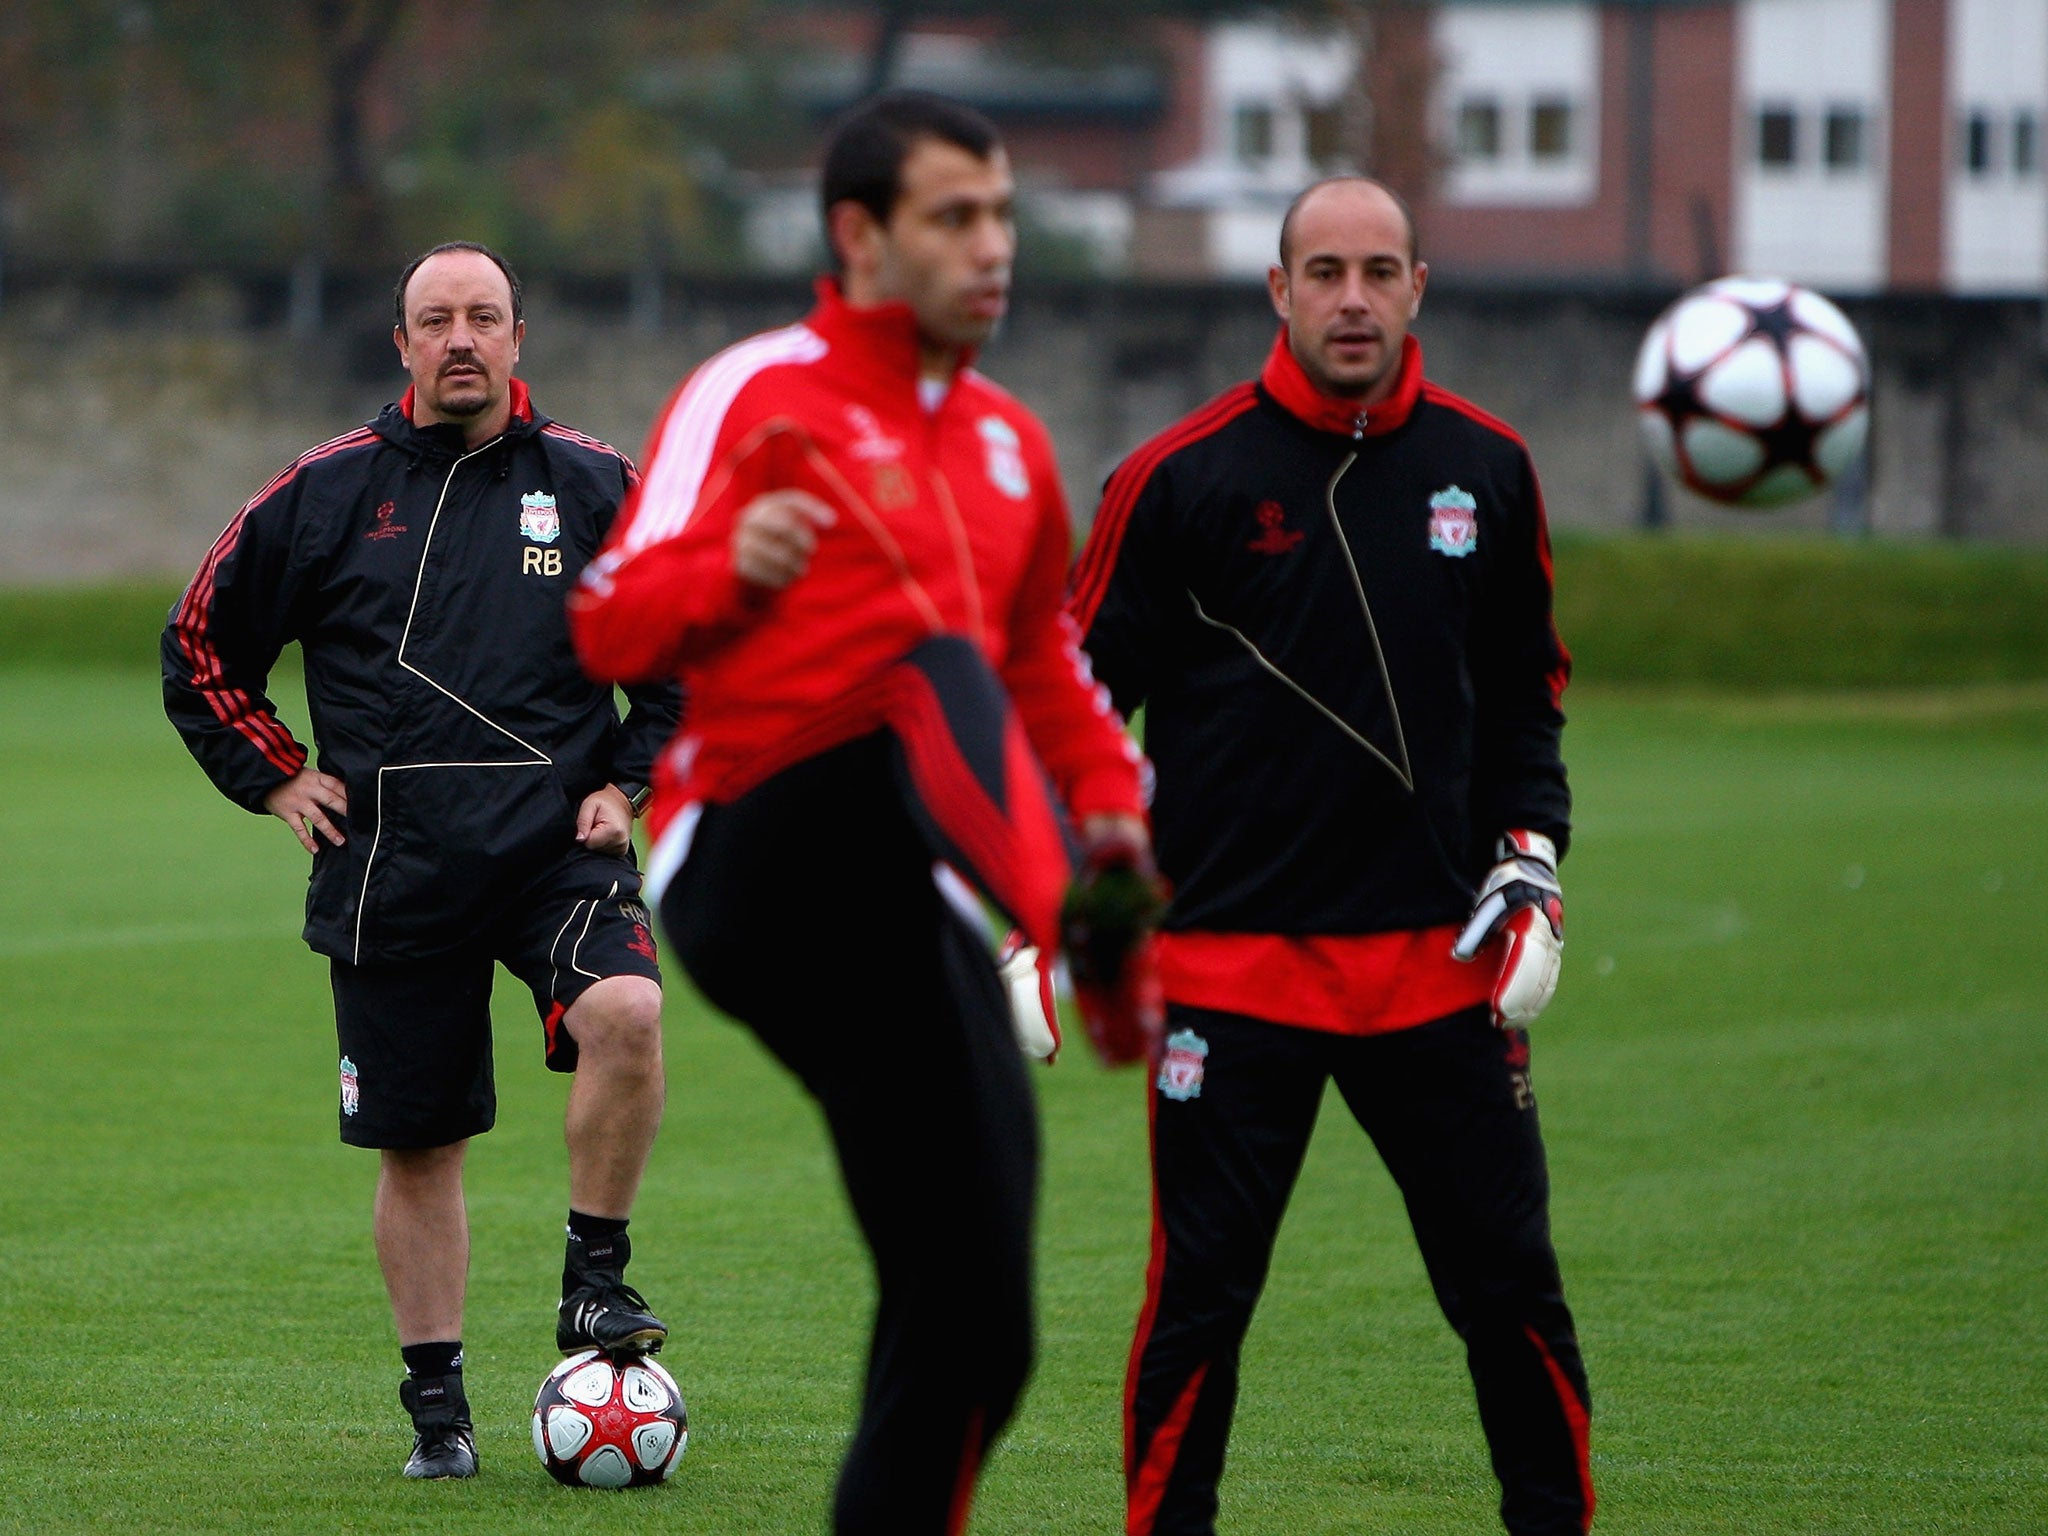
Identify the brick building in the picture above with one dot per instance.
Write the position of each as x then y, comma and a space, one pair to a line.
1860, 145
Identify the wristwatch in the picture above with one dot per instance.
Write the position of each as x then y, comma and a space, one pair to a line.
637, 795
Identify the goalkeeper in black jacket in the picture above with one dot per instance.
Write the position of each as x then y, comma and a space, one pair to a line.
1331, 590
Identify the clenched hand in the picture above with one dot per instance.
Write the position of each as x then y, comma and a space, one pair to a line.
776, 535
604, 822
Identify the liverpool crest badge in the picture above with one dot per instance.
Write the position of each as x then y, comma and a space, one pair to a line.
1453, 522
1005, 457
538, 519
1182, 1068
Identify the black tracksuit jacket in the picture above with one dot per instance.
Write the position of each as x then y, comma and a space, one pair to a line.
1300, 791
425, 586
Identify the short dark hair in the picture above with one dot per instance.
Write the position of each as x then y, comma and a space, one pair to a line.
866, 148
405, 277
1400, 202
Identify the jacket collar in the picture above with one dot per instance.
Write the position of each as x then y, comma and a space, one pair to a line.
1296, 393
397, 426
881, 338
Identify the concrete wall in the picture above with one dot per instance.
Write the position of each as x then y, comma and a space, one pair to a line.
141, 412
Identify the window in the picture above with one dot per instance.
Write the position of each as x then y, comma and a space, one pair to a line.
1324, 127
1842, 138
1777, 137
2026, 143
1254, 133
1550, 128
1479, 129
1977, 143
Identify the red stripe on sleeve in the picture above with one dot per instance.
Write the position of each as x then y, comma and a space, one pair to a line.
1437, 395
1560, 674
585, 440
1098, 560
232, 706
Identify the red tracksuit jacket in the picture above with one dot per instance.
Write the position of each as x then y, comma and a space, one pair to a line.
951, 521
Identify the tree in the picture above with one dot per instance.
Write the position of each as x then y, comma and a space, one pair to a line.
349, 37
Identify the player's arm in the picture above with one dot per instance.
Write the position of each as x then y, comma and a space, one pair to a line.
1521, 798
1519, 669
638, 613
1116, 898
696, 557
1125, 583
1073, 727
217, 648
653, 709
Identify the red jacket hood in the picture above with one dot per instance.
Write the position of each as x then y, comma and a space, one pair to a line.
1285, 380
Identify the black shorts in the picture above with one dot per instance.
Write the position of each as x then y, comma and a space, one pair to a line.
416, 1036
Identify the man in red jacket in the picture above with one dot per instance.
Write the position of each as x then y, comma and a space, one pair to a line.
852, 549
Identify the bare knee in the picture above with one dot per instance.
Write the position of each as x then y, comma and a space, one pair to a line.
419, 1170
617, 1023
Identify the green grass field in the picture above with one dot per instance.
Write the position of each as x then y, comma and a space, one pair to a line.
1793, 1087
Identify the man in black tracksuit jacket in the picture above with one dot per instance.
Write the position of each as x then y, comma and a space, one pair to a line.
472, 801
1330, 590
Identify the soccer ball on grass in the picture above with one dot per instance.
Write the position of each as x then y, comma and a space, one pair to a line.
1753, 391
597, 1424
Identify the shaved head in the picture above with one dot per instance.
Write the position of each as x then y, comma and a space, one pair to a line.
1348, 285
1341, 186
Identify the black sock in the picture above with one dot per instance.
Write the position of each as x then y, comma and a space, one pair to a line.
595, 1228
440, 1359
596, 1243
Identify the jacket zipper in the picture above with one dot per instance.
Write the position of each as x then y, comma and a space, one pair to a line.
1402, 770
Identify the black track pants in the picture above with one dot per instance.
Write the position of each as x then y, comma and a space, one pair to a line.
807, 910
1448, 1106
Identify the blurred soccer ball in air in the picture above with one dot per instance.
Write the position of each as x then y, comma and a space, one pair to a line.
600, 1425
1753, 391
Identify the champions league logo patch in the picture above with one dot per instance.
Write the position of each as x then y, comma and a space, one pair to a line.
1181, 1070
351, 1088
384, 525
1453, 522
1275, 537
538, 519
1005, 457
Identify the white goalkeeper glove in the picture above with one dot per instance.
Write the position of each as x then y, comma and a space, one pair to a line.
1028, 984
1520, 898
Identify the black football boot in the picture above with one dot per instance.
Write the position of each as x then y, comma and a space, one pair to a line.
444, 1440
599, 1310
